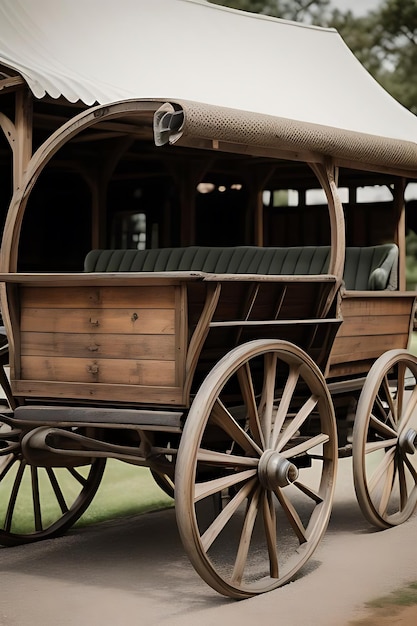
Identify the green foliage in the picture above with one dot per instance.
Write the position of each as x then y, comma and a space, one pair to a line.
398, 44
385, 41
309, 11
411, 260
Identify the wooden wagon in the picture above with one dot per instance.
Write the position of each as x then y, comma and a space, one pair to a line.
238, 345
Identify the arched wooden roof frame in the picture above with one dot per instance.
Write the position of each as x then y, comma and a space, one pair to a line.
324, 169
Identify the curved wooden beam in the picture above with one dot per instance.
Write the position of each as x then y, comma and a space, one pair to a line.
42, 156
327, 176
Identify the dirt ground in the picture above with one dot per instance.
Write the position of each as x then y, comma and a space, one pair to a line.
134, 571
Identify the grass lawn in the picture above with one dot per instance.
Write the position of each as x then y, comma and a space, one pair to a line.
124, 490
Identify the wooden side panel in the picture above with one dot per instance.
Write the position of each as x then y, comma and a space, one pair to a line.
112, 340
372, 324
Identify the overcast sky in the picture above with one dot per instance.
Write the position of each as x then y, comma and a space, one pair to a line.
358, 7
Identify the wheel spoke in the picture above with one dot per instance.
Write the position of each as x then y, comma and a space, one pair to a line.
210, 487
292, 515
412, 491
298, 420
400, 390
409, 409
411, 468
226, 514
212, 457
287, 395
305, 446
270, 523
245, 538
223, 418
402, 482
36, 498
373, 446
387, 487
78, 476
13, 496
8, 465
393, 406
382, 427
314, 495
249, 399
266, 404
57, 490
381, 469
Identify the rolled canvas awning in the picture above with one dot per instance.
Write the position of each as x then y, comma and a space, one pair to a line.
243, 76
190, 122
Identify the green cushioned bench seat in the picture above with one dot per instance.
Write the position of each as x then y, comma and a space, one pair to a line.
365, 268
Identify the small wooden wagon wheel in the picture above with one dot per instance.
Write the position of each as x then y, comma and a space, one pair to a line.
384, 438
256, 468
40, 501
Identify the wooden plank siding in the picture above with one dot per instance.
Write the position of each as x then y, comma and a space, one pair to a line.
372, 324
101, 339
118, 342
146, 339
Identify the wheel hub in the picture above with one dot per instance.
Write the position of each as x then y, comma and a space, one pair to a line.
407, 441
276, 471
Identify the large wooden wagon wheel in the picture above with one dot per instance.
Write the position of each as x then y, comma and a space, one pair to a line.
384, 439
38, 502
256, 468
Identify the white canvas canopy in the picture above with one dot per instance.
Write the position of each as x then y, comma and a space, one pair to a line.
101, 51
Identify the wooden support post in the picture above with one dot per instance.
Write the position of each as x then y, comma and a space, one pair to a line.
187, 176
19, 134
23, 145
259, 219
399, 210
258, 179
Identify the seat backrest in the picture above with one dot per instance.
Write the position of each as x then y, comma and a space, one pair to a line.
232, 260
371, 268
366, 268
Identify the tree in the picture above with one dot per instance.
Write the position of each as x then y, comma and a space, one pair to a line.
309, 11
385, 41
396, 40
